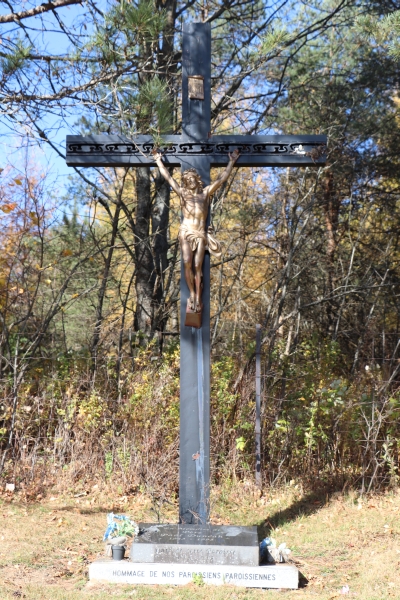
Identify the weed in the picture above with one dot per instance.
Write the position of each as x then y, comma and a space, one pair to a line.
198, 579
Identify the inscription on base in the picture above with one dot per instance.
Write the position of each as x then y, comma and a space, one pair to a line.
271, 576
195, 544
196, 555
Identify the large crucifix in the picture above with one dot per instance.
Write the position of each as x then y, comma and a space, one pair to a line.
196, 149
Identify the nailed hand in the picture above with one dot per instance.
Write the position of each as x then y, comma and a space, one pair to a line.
156, 154
235, 155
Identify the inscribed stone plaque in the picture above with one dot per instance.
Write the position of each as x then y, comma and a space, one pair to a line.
126, 572
196, 544
196, 87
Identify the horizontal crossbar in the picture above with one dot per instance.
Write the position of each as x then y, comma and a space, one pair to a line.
255, 150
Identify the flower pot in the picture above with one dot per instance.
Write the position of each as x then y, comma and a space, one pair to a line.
118, 552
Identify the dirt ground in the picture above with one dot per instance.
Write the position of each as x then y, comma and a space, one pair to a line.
344, 546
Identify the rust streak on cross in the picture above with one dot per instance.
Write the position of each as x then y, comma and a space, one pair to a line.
196, 148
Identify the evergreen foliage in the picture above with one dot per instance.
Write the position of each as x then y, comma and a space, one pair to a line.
384, 31
13, 61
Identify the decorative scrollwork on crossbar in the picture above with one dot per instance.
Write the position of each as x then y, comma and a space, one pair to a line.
313, 150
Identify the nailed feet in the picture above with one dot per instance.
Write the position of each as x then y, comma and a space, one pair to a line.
191, 302
194, 303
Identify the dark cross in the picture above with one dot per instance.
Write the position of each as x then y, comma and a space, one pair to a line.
197, 148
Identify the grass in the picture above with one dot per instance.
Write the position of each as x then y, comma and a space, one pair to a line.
46, 545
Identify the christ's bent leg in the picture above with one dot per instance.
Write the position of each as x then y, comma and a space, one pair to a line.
187, 257
198, 273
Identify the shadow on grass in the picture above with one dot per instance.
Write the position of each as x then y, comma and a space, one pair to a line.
303, 581
91, 510
46, 507
307, 505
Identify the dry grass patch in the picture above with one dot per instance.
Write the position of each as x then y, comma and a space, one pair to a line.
46, 546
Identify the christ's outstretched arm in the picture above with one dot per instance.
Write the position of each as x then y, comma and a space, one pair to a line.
165, 173
210, 189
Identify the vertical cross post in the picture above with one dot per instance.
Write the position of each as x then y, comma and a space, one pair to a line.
194, 453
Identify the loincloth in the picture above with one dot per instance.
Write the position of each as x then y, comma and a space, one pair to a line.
193, 236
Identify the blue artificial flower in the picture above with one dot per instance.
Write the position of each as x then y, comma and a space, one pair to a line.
112, 526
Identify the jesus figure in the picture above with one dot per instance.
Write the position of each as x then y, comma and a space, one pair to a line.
193, 237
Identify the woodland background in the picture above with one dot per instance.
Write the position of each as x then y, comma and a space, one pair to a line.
89, 275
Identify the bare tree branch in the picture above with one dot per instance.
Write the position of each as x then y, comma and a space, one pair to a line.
38, 10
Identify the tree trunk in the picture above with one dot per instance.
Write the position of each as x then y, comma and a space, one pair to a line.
102, 290
331, 213
160, 222
145, 271
151, 246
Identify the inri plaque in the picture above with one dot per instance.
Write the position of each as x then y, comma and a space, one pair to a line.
196, 87
196, 544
